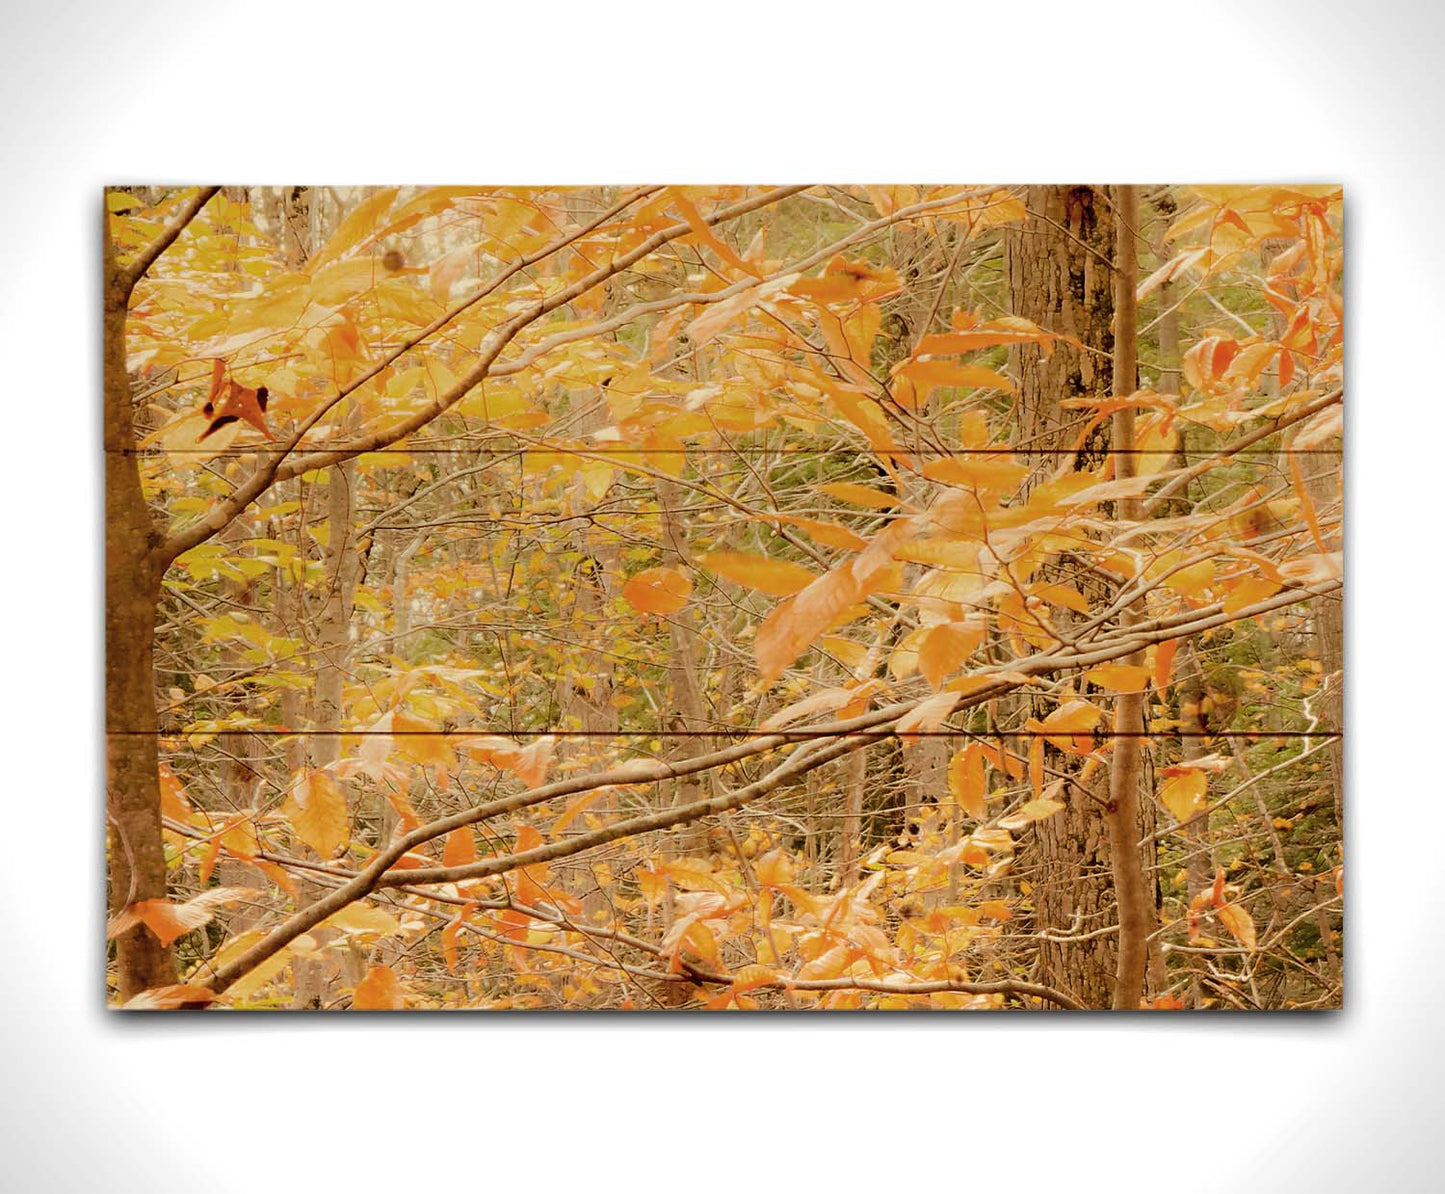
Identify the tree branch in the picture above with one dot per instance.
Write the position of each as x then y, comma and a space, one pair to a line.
128, 275
852, 733
276, 469
282, 467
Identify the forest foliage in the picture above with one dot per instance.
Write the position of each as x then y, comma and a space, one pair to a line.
703, 597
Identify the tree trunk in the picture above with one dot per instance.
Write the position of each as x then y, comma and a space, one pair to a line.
1059, 268
1137, 911
133, 569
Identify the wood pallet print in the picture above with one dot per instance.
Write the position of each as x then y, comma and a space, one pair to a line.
764, 598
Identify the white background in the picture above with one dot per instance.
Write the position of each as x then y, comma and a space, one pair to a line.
763, 92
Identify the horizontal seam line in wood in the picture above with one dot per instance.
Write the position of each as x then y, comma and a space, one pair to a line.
804, 732
698, 451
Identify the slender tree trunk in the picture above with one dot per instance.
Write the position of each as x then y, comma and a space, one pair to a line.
1188, 667
851, 829
312, 980
133, 570
689, 710
1135, 899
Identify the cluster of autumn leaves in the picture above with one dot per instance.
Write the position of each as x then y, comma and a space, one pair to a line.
925, 588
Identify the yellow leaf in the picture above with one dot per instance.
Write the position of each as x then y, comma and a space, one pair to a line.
859, 495
946, 648
1155, 443
1248, 590
931, 372
316, 809
977, 472
781, 578
1034, 810
419, 741
1119, 677
903, 660
1183, 795
1070, 726
1061, 594
927, 715
657, 591
363, 919
966, 780
355, 227
1239, 923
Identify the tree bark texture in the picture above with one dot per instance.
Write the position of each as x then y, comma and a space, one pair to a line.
133, 569
1059, 267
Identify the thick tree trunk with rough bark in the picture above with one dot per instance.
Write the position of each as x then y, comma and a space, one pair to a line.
1060, 272
133, 569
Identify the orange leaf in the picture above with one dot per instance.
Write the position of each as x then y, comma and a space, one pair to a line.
461, 848
174, 803
164, 999
450, 933
575, 808
1061, 594
795, 622
240, 838
657, 591
1164, 663
421, 742
169, 921
781, 578
379, 991
230, 402
705, 234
